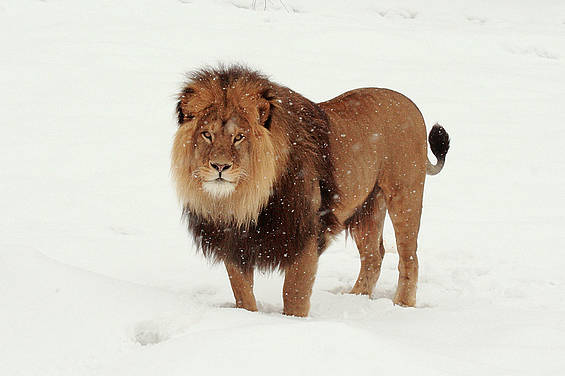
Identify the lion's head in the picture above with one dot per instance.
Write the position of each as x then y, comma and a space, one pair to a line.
225, 157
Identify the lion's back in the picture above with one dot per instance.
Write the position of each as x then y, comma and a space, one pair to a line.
379, 119
383, 107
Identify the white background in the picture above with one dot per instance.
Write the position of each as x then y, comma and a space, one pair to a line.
99, 277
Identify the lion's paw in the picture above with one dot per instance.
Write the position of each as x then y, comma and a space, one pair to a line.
404, 300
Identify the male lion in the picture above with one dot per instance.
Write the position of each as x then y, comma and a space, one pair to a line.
267, 177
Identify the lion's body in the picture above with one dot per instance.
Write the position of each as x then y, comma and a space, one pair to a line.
295, 174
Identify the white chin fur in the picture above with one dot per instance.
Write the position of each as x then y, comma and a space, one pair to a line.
218, 189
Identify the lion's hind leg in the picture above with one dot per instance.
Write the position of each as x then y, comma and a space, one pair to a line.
366, 226
404, 206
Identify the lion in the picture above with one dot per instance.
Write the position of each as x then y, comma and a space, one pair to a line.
267, 178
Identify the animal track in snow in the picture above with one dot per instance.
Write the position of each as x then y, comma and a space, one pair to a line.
160, 329
532, 51
398, 13
149, 333
476, 20
120, 230
340, 290
264, 5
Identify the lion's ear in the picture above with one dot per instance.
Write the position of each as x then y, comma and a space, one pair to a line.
184, 98
180, 113
265, 107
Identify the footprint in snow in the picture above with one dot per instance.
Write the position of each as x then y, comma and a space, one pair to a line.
476, 20
392, 13
340, 290
532, 51
149, 333
163, 328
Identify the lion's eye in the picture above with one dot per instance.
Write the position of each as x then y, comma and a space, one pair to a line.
238, 138
207, 135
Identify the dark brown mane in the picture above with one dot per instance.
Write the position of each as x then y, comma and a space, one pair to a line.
290, 217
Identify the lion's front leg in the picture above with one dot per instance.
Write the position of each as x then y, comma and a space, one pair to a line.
242, 285
299, 280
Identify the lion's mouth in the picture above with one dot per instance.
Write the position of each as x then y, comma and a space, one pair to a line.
220, 180
219, 187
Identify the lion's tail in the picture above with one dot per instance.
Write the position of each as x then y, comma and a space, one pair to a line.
439, 143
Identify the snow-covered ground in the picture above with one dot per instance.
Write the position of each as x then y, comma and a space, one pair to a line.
99, 277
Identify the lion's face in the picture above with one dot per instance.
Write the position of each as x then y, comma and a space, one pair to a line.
224, 159
218, 154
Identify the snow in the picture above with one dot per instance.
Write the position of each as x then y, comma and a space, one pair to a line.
99, 277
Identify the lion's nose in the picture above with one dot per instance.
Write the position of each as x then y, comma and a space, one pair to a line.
220, 167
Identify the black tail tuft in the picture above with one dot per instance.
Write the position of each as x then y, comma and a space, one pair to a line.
439, 142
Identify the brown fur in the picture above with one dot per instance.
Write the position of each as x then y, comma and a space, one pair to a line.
302, 172
380, 154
